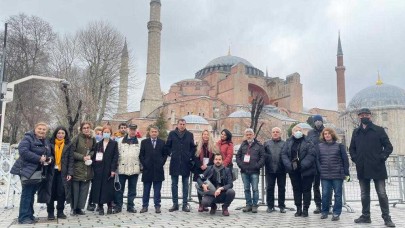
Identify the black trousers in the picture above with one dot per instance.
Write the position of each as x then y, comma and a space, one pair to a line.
226, 197
302, 189
57, 194
317, 191
271, 179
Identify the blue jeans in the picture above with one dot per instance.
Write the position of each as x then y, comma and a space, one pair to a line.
119, 195
251, 180
327, 186
26, 211
157, 186
175, 189
381, 193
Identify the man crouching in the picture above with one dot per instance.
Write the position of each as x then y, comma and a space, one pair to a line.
216, 183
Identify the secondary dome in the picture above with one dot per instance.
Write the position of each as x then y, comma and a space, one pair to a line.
378, 96
194, 119
240, 114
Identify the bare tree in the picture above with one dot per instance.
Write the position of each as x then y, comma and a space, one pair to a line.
257, 107
29, 41
100, 48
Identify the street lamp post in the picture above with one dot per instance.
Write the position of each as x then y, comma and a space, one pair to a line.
8, 91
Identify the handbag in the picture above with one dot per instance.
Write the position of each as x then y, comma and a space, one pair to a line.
36, 178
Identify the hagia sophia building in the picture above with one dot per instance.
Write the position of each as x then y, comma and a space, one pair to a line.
220, 95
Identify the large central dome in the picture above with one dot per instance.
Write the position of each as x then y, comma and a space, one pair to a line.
378, 96
228, 60
225, 63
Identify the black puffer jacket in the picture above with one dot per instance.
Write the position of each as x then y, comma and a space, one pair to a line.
181, 148
333, 161
257, 157
306, 156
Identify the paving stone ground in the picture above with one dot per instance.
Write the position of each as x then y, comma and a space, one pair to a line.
194, 218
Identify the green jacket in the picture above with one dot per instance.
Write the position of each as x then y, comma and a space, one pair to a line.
81, 146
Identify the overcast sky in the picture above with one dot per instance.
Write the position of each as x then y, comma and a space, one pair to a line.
284, 36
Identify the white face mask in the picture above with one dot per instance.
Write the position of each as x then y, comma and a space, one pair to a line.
298, 134
318, 124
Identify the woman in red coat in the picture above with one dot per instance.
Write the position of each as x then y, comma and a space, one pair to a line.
226, 147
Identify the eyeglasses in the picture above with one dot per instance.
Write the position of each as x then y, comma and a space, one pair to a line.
84, 128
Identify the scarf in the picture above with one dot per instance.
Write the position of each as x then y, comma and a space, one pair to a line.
217, 174
59, 144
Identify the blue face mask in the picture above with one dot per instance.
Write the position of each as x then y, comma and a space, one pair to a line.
298, 134
99, 138
106, 135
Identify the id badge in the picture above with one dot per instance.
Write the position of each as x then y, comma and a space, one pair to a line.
206, 160
246, 158
99, 156
56, 167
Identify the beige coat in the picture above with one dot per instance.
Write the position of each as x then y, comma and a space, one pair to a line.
128, 163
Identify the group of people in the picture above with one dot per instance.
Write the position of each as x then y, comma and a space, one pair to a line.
314, 160
106, 161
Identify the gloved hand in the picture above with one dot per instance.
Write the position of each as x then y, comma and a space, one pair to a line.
347, 178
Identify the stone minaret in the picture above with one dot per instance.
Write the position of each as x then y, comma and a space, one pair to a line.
340, 76
152, 94
123, 89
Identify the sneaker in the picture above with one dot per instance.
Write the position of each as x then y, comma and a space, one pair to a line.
335, 218
225, 211
271, 210
157, 210
143, 210
213, 209
363, 219
51, 216
388, 222
185, 208
282, 210
324, 216
247, 208
61, 216
317, 210
254, 209
174, 208
28, 221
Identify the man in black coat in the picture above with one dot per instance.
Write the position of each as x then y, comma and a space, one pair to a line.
275, 170
181, 147
153, 158
220, 178
314, 135
369, 149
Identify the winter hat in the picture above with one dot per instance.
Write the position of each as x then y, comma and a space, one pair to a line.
317, 118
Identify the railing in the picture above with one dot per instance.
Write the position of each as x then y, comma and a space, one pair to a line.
395, 184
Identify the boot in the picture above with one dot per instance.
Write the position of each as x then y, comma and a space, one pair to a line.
225, 211
254, 209
388, 222
200, 208
100, 210
174, 208
299, 212
305, 212
213, 209
91, 207
51, 216
109, 210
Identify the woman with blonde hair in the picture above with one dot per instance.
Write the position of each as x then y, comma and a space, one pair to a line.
334, 167
204, 157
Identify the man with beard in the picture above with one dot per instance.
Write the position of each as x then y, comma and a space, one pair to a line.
220, 178
369, 149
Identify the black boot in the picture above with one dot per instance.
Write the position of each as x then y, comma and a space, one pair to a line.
305, 212
299, 212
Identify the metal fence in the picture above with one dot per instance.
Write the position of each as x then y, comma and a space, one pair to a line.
395, 184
